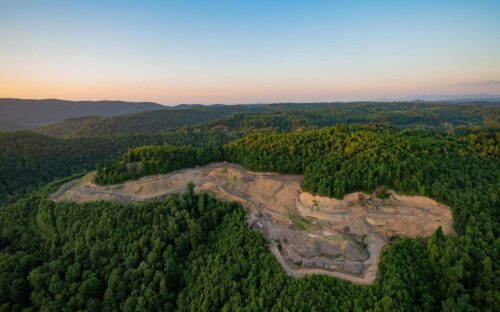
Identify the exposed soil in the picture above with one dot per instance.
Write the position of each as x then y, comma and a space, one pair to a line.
308, 234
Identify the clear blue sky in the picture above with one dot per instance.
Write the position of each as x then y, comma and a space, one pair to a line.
247, 51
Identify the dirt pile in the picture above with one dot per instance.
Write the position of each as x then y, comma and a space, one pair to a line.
308, 234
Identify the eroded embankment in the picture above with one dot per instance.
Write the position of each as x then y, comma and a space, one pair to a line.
308, 234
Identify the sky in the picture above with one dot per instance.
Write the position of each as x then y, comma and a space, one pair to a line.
231, 52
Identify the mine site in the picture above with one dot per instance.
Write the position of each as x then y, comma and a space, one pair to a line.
307, 234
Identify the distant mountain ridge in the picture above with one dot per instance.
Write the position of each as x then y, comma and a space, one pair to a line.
167, 118
19, 114
457, 98
279, 116
91, 118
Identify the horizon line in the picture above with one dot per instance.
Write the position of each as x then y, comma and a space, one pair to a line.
408, 99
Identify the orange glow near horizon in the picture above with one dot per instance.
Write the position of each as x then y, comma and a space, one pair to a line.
231, 92
261, 52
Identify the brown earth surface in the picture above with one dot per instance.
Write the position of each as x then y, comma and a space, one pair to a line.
308, 234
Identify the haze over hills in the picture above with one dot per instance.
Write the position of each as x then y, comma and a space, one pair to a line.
19, 114
479, 97
283, 116
50, 115
148, 121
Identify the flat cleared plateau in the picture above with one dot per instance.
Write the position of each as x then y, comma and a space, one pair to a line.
308, 234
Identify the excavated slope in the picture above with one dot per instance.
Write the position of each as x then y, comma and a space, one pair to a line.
308, 234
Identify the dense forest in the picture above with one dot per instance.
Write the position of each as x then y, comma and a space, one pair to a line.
19, 114
283, 117
158, 120
148, 160
460, 171
463, 172
29, 160
393, 114
72, 257
150, 121
193, 253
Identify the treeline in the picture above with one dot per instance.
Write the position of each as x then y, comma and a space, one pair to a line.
160, 120
439, 117
148, 160
284, 117
29, 160
341, 160
150, 121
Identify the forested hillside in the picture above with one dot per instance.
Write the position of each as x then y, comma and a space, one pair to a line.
284, 117
401, 115
71, 257
460, 171
152, 121
18, 114
148, 160
194, 253
29, 160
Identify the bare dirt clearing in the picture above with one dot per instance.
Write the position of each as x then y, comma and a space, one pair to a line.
308, 234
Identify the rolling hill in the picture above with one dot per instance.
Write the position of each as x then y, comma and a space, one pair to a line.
150, 121
167, 118
283, 116
19, 114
